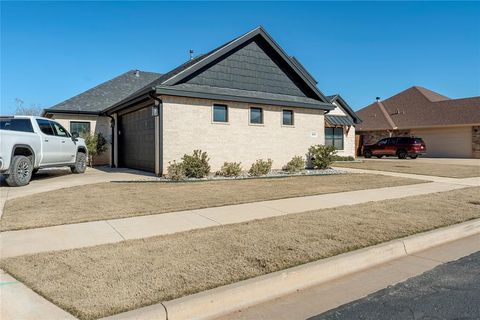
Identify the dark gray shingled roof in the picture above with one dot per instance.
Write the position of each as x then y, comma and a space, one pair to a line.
106, 94
252, 66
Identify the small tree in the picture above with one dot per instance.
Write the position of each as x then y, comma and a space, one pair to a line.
321, 156
96, 145
21, 109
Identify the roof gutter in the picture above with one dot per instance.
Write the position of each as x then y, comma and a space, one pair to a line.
46, 111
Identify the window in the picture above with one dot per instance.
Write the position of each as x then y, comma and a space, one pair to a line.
79, 127
256, 115
287, 118
334, 137
59, 130
220, 113
45, 126
382, 142
24, 125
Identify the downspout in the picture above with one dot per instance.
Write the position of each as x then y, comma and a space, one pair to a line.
159, 125
112, 152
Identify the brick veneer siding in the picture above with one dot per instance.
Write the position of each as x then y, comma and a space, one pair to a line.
188, 125
476, 142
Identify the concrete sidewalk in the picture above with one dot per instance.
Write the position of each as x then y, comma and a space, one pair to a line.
14, 243
318, 299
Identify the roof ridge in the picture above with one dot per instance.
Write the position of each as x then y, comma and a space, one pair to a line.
387, 116
430, 95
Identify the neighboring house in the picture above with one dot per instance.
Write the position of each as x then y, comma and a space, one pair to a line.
449, 127
243, 101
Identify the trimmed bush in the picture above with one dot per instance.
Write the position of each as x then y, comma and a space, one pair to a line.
230, 169
343, 158
176, 171
260, 167
321, 156
297, 164
196, 165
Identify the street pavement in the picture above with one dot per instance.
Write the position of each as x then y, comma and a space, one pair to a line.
449, 291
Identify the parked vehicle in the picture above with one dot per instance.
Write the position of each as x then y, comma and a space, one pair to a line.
30, 143
401, 147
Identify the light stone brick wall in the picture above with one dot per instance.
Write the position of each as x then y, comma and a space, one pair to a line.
348, 137
97, 125
348, 142
188, 125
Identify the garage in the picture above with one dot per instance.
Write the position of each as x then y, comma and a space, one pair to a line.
450, 142
136, 139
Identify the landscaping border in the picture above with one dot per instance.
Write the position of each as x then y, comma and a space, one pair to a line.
226, 299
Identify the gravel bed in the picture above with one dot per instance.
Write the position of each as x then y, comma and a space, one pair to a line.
245, 175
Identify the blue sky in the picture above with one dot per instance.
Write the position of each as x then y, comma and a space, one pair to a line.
51, 51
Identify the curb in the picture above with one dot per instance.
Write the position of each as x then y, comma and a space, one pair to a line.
226, 299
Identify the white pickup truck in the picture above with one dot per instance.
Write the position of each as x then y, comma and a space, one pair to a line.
29, 143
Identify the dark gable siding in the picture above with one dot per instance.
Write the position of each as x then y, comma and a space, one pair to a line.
252, 67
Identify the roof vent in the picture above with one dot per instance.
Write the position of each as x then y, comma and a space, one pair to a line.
137, 73
378, 99
191, 53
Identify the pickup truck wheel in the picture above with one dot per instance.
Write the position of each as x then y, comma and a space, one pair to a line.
367, 154
80, 164
20, 172
402, 154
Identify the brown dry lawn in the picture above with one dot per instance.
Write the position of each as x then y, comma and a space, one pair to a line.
103, 280
416, 167
113, 200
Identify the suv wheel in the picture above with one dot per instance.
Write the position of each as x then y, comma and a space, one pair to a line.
402, 154
414, 156
379, 157
20, 172
367, 154
80, 164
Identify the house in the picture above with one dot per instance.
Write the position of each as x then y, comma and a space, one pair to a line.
243, 101
449, 127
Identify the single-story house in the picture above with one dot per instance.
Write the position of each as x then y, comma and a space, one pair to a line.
449, 127
243, 101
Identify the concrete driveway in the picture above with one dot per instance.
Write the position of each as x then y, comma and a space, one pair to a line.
456, 161
59, 178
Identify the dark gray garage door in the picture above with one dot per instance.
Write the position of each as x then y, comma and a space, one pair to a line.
137, 140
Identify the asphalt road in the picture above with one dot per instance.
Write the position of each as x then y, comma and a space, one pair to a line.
449, 291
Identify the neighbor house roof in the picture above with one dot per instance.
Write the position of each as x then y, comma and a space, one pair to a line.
106, 94
250, 68
419, 107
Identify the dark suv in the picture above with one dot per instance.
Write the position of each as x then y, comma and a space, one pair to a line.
396, 146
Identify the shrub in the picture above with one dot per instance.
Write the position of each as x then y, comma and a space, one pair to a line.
176, 171
260, 167
343, 158
295, 165
230, 169
321, 156
96, 145
196, 165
